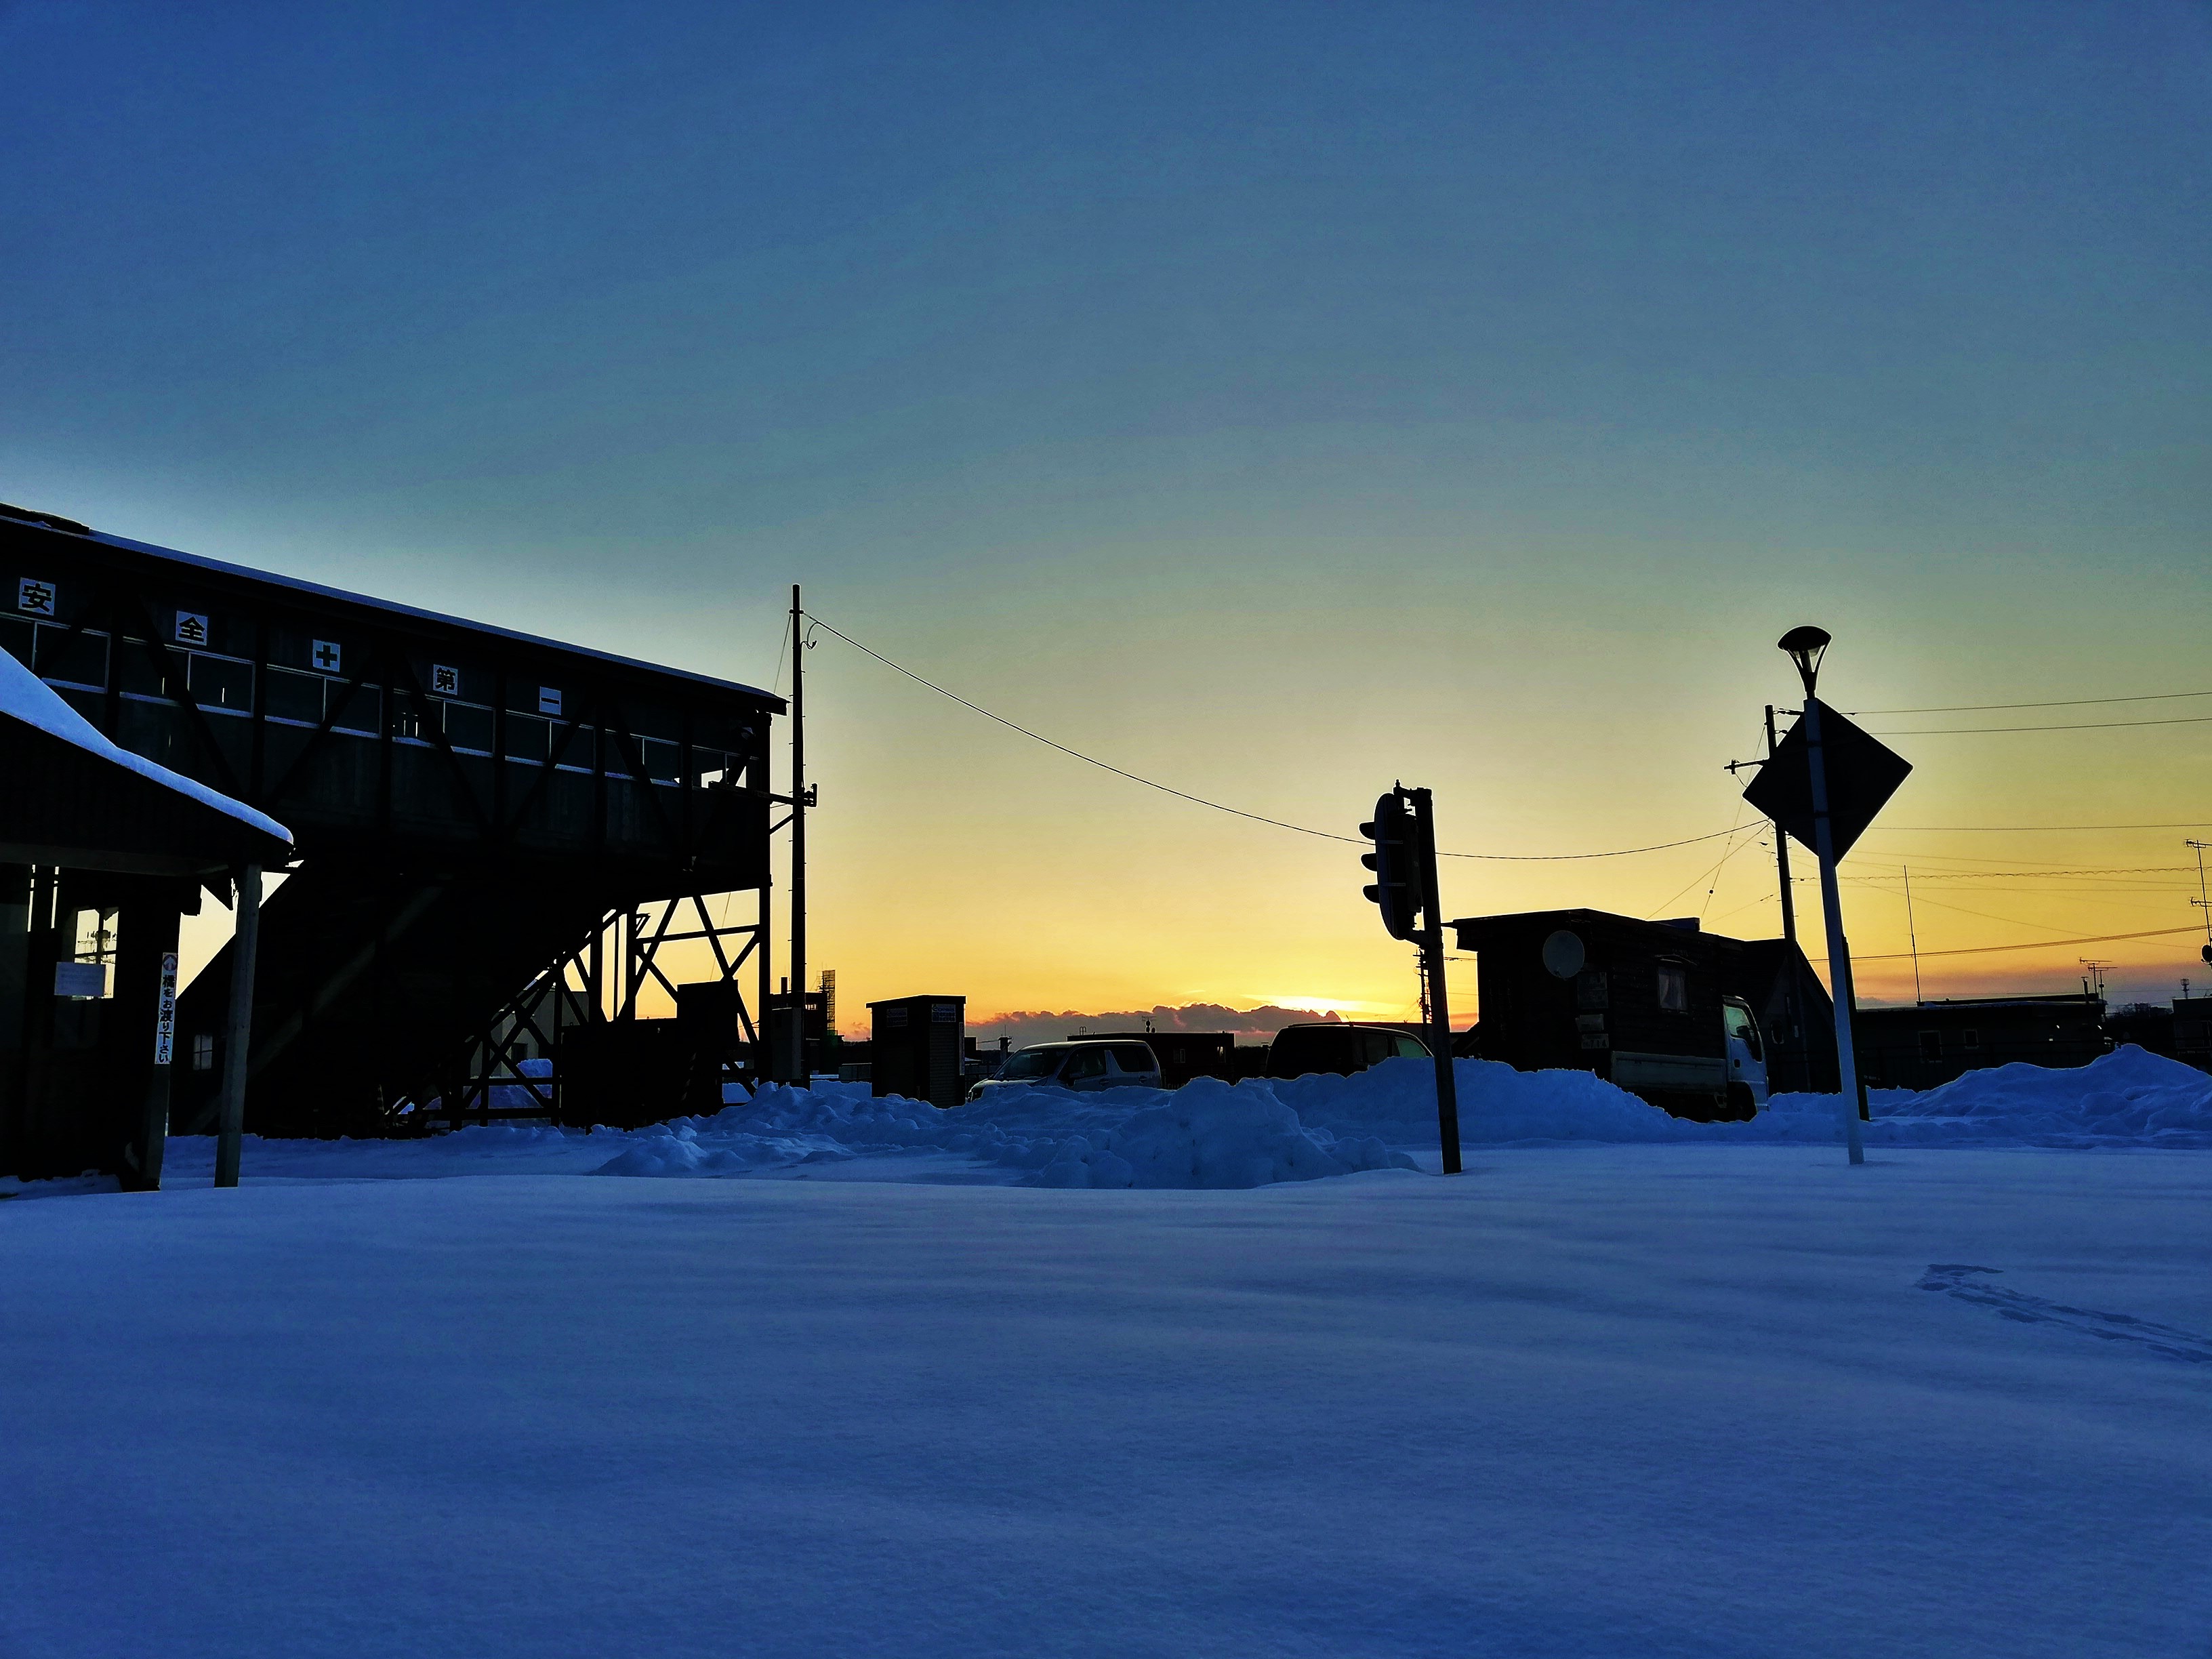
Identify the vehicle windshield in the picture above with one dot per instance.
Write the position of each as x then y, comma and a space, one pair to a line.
1031, 1064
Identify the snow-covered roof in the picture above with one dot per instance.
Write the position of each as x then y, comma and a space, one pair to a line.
26, 697
318, 591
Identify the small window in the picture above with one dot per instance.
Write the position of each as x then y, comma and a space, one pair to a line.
1133, 1057
1970, 1038
1674, 988
220, 683
469, 726
203, 1051
359, 708
662, 759
295, 696
529, 738
1931, 1045
1375, 1047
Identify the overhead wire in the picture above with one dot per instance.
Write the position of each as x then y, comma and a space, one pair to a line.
2084, 726
2060, 703
1711, 873
1238, 812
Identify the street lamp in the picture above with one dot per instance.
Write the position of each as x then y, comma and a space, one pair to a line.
1805, 646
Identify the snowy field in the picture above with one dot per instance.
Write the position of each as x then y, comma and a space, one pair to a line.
1629, 1387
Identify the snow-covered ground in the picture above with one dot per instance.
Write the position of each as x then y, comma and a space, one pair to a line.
1670, 1390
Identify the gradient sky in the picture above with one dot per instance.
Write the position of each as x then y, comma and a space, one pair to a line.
1275, 400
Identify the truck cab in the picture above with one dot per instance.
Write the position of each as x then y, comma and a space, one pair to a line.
1747, 1060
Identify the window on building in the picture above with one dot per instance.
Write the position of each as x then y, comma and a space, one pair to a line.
1675, 988
203, 1051
1931, 1045
1970, 1038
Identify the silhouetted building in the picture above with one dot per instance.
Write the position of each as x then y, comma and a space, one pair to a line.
1639, 1003
1930, 1043
2193, 1031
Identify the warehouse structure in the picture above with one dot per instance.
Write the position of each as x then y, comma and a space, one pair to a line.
497, 836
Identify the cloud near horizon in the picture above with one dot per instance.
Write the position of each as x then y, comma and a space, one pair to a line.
1040, 1026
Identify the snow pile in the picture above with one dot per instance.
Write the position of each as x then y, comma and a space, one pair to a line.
2130, 1098
1255, 1132
1498, 1106
1208, 1134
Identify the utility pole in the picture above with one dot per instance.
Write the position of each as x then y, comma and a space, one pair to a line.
1782, 856
1912, 933
2201, 900
798, 834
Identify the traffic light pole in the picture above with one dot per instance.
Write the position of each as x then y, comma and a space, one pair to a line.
1839, 954
1431, 939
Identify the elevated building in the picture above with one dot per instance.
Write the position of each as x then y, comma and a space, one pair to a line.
497, 834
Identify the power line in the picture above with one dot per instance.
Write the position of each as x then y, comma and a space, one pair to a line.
2061, 703
2034, 944
1238, 812
2024, 828
2086, 725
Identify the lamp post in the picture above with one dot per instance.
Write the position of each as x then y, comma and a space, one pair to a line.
1805, 646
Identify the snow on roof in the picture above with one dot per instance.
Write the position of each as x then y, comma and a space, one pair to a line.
26, 697
319, 591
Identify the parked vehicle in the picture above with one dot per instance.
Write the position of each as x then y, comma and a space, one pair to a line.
1649, 1005
1746, 1058
1085, 1067
1337, 1046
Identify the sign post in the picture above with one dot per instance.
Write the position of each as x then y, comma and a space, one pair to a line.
1823, 784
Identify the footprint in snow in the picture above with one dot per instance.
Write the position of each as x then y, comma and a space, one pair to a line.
1966, 1282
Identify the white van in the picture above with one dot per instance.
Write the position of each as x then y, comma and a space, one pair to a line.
1084, 1066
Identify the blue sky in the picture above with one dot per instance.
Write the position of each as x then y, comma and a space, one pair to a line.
1272, 399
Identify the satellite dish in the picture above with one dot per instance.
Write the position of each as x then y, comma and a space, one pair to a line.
1563, 955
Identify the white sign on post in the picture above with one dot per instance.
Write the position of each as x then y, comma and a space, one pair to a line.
165, 1022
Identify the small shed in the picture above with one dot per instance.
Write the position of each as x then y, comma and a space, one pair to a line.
90, 829
916, 1047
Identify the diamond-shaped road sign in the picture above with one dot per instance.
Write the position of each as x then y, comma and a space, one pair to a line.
1864, 772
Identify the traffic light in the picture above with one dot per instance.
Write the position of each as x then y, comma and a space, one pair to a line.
1396, 890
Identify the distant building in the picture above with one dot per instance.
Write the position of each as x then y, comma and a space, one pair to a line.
2193, 1031
1930, 1043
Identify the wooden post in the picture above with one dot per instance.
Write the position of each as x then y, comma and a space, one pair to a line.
231, 1124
